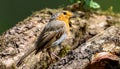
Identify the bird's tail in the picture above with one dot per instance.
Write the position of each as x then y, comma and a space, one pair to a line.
24, 56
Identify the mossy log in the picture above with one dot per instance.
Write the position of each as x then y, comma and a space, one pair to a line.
95, 53
20, 38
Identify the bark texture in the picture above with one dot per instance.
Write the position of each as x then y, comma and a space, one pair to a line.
90, 35
81, 57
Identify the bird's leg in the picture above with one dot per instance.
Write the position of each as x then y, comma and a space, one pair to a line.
52, 54
55, 55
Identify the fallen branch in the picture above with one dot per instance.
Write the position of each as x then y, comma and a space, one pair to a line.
81, 57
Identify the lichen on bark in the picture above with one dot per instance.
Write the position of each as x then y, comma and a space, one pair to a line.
89, 35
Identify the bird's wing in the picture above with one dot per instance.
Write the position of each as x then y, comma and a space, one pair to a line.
49, 35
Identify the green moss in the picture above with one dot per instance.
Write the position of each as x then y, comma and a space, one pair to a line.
45, 65
64, 51
13, 66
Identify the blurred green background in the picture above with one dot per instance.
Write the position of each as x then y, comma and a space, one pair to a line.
13, 11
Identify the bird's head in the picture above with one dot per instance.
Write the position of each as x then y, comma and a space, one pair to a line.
62, 16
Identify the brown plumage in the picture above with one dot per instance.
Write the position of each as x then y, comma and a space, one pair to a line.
53, 34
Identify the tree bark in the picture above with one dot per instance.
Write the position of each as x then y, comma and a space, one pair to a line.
81, 57
16, 41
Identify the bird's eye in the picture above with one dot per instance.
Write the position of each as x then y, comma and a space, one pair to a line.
64, 13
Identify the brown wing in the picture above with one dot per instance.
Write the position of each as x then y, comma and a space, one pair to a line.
45, 40
51, 33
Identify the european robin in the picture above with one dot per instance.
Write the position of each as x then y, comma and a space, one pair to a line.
53, 34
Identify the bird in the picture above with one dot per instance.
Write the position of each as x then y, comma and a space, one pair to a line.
54, 33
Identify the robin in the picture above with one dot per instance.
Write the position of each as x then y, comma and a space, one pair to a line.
53, 34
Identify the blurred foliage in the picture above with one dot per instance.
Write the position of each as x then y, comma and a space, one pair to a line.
87, 4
